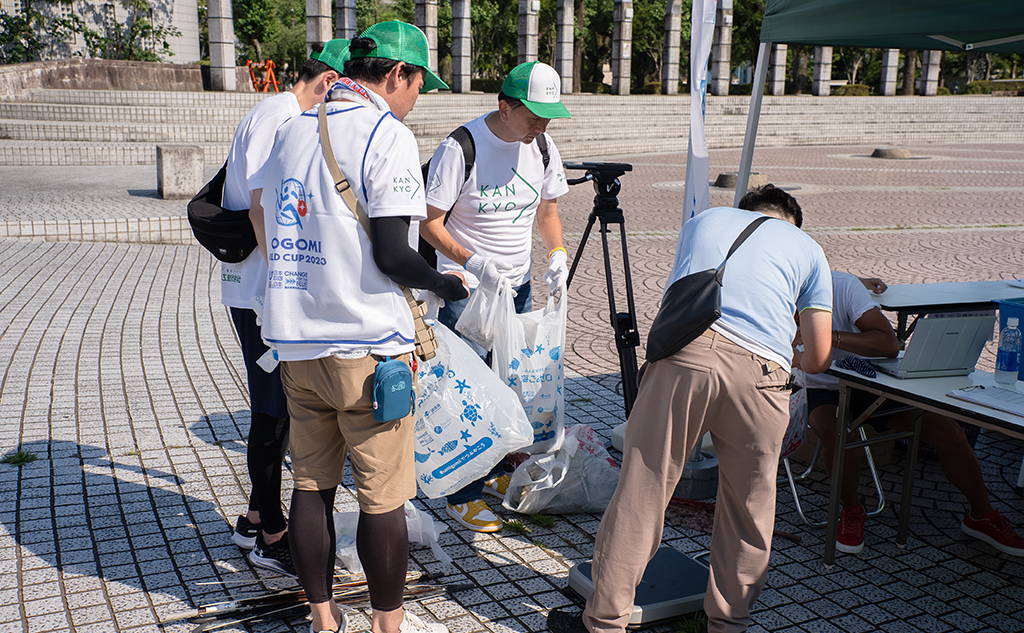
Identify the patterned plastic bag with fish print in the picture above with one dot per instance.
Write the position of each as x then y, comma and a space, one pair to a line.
528, 355
467, 420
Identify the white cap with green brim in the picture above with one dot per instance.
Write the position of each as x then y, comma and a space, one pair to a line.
539, 87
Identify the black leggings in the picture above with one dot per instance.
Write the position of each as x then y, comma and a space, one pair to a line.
268, 442
382, 541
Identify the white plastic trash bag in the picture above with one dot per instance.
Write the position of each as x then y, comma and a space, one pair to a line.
466, 419
477, 321
527, 355
579, 477
422, 530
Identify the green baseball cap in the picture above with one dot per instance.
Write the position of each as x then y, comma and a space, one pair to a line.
401, 42
538, 86
335, 54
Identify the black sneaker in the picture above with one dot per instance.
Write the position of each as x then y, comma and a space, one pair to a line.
276, 556
245, 532
564, 622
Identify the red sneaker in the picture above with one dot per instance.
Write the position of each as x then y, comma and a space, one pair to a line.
850, 538
994, 529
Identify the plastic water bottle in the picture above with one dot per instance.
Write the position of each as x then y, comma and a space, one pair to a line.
1008, 356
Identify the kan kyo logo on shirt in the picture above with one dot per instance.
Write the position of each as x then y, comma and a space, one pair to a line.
406, 184
497, 198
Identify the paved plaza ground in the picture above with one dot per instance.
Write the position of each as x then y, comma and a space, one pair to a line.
121, 372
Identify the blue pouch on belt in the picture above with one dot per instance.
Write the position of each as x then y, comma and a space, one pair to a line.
393, 397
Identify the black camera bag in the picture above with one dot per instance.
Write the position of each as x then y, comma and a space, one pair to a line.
690, 305
227, 234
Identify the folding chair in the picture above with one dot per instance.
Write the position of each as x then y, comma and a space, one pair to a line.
796, 437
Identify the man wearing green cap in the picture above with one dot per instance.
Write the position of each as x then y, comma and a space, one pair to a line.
334, 309
262, 528
482, 222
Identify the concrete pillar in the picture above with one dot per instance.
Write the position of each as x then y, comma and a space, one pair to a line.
220, 22
890, 71
721, 49
777, 70
529, 25
179, 171
462, 53
622, 46
564, 38
345, 19
820, 86
670, 50
426, 21
319, 29
930, 66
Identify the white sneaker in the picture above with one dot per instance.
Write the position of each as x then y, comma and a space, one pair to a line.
413, 624
340, 629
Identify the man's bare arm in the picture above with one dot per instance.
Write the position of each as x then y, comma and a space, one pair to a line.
256, 217
816, 332
549, 224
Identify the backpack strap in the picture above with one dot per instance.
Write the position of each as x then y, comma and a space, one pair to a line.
542, 145
464, 138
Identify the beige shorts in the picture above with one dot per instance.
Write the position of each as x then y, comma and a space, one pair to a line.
330, 402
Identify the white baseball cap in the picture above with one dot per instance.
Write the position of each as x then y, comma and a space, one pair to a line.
539, 87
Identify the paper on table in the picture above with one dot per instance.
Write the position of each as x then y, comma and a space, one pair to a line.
993, 397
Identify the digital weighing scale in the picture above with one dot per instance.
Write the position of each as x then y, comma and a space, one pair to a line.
672, 586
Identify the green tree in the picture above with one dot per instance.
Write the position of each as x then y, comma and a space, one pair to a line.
746, 31
288, 48
255, 23
131, 40
134, 39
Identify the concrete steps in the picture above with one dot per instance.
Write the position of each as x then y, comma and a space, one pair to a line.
81, 127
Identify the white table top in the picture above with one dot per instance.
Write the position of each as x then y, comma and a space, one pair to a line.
932, 391
965, 294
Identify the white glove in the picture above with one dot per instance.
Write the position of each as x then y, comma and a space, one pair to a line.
487, 270
558, 271
434, 304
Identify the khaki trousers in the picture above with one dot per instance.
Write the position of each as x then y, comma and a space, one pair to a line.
330, 402
711, 385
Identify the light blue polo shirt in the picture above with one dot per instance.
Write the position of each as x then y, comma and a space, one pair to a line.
778, 271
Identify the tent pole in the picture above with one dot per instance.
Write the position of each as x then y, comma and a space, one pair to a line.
757, 91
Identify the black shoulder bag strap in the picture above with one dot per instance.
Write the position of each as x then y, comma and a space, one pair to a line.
739, 240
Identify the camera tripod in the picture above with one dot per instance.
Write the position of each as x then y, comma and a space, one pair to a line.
605, 177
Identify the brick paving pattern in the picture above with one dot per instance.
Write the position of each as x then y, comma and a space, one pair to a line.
122, 373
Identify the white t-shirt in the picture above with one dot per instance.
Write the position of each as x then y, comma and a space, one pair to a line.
325, 294
250, 148
778, 271
850, 300
494, 209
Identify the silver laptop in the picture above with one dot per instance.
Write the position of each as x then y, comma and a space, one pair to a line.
941, 346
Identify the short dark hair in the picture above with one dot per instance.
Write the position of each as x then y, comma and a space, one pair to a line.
771, 199
511, 101
313, 68
374, 69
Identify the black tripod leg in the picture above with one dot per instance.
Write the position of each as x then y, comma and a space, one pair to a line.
579, 249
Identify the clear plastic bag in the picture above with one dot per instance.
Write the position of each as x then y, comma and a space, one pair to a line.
467, 420
579, 477
422, 530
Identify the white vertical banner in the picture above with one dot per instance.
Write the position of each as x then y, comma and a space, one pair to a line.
702, 24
